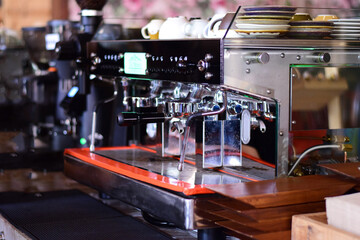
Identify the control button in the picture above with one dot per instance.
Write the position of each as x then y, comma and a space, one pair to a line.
263, 58
208, 57
96, 60
181, 64
324, 57
320, 57
208, 75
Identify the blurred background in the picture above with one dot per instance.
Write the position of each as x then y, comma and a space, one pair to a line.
16, 14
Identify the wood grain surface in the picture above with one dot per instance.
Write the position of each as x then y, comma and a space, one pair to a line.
285, 191
351, 170
269, 225
263, 214
284, 211
245, 232
281, 235
231, 203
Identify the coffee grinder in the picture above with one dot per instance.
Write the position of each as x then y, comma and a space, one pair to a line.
87, 92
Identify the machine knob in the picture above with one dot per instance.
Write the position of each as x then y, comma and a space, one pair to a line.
262, 58
321, 57
202, 65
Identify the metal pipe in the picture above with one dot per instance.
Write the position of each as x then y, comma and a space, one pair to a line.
310, 150
95, 109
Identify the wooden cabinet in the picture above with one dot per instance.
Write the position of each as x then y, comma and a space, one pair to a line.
24, 13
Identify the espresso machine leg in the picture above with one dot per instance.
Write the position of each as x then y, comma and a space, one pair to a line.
211, 234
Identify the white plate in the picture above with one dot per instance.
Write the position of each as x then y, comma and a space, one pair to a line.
265, 17
346, 20
259, 35
280, 13
346, 23
310, 30
346, 38
258, 27
312, 26
347, 27
349, 31
269, 8
262, 21
345, 35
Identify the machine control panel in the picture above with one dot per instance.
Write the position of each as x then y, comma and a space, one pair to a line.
199, 61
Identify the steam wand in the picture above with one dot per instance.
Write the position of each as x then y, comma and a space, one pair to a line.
188, 124
95, 109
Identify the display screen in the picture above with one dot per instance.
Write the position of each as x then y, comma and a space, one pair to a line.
135, 63
73, 91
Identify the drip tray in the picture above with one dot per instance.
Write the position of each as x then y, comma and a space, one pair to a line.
167, 166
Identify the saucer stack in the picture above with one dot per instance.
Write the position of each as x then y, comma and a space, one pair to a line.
346, 29
310, 29
264, 21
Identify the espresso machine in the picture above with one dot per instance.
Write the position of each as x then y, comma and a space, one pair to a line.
224, 110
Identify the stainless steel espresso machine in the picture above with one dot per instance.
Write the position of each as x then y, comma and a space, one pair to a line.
219, 111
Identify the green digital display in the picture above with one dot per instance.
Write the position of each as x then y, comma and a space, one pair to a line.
135, 63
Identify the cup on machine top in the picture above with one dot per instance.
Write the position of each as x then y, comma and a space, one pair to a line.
151, 30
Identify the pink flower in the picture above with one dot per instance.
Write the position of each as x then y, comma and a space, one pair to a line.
132, 5
159, 9
217, 4
343, 3
355, 3
270, 2
247, 2
191, 3
108, 11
